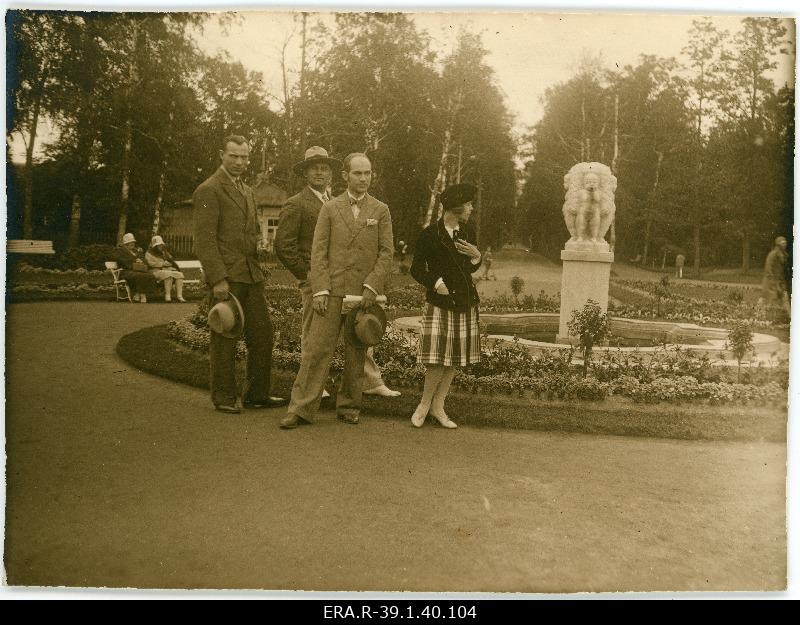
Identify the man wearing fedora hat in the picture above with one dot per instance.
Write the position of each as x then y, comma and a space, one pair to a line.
293, 240
227, 241
351, 254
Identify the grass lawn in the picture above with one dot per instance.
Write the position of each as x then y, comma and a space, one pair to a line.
151, 350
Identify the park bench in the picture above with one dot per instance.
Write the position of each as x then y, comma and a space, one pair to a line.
188, 267
191, 268
27, 246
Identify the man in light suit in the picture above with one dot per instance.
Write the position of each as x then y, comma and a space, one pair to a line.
227, 241
293, 246
351, 254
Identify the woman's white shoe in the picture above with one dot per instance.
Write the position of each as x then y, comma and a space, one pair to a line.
445, 421
418, 418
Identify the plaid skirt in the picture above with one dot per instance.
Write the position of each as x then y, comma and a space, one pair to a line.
449, 338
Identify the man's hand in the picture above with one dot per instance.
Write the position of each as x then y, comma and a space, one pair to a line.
368, 298
441, 289
467, 249
320, 304
221, 290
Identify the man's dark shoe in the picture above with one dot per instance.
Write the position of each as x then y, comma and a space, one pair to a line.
227, 409
289, 422
350, 418
270, 402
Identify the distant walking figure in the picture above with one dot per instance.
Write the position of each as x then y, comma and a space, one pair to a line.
444, 259
487, 263
680, 261
773, 285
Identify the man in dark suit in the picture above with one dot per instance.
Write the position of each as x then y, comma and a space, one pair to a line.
227, 241
293, 245
351, 254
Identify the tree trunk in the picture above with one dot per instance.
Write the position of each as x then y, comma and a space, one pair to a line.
162, 179
696, 242
651, 202
159, 199
612, 231
745, 251
126, 180
438, 184
584, 150
479, 206
74, 221
646, 251
133, 77
27, 209
84, 148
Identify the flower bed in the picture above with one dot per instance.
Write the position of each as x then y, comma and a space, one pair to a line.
151, 350
669, 374
639, 302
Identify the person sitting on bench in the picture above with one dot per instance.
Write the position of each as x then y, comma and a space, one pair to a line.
164, 268
130, 258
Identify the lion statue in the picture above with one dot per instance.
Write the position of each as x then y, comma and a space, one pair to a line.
589, 204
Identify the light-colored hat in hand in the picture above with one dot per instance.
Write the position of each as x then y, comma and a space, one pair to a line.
316, 154
363, 328
227, 318
156, 240
128, 238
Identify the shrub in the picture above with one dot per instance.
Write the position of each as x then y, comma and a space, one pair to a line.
591, 389
87, 256
664, 361
735, 297
590, 325
740, 342
660, 291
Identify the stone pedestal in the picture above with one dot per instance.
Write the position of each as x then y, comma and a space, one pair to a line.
584, 275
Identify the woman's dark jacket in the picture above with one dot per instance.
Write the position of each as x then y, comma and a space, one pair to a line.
435, 256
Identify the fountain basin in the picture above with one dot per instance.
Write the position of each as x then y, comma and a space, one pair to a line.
537, 332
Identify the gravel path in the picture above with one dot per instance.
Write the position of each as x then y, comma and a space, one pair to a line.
117, 478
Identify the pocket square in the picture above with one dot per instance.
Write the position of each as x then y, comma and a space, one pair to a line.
372, 222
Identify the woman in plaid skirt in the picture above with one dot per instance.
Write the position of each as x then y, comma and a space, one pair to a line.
444, 260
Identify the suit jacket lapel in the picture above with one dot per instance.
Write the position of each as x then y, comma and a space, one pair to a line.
232, 192
445, 238
346, 212
311, 198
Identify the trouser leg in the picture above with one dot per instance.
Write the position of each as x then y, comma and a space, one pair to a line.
258, 336
315, 362
372, 373
222, 360
308, 309
348, 398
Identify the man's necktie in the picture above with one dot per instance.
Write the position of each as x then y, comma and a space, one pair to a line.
455, 234
354, 206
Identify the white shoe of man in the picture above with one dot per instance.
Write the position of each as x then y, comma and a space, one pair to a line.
383, 391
